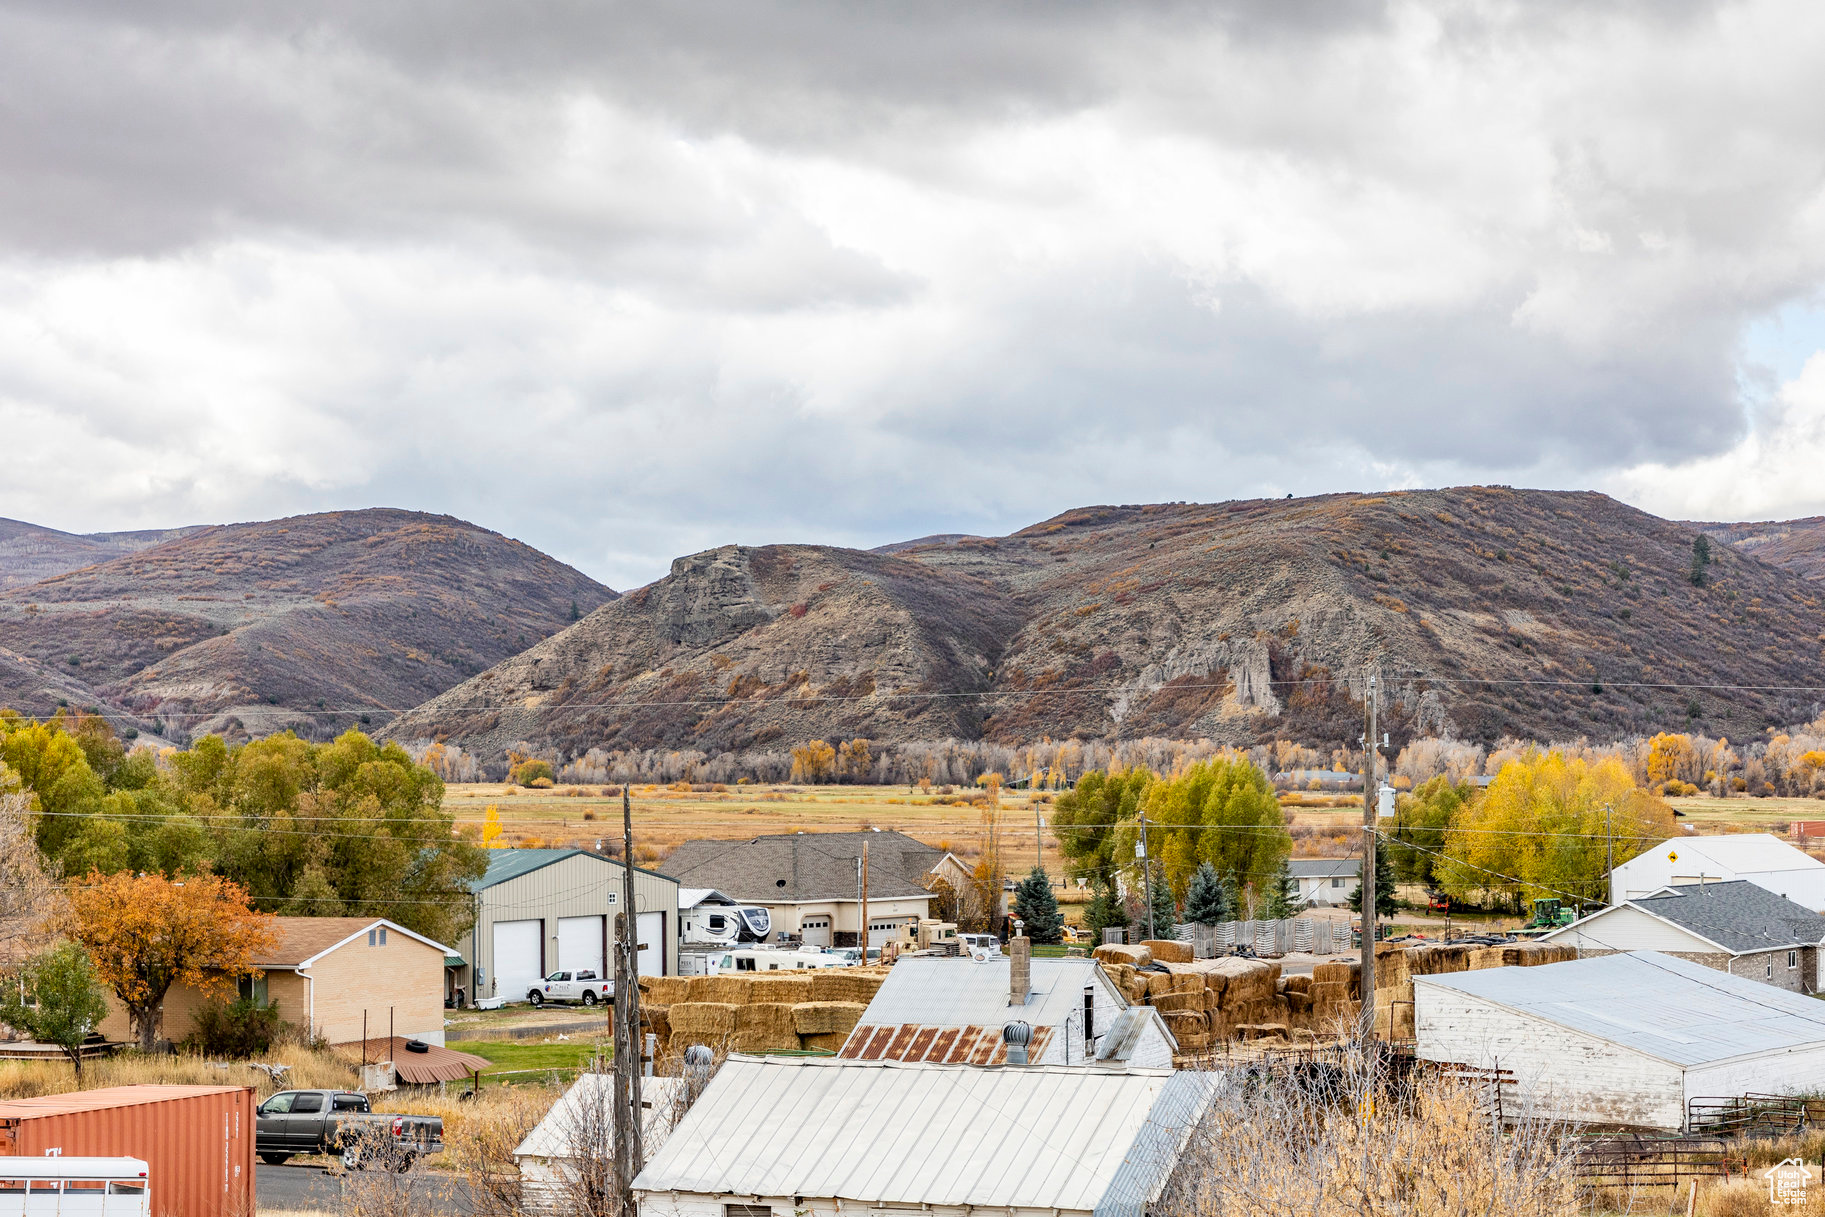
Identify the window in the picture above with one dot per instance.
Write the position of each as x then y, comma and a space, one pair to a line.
370, 937
557, 976
44, 1185
1793, 959
12, 1187
1336, 880
279, 1104
744, 964
350, 1102
307, 1102
717, 921
91, 1187
253, 989
586, 974
1770, 971
127, 1187
383, 935
747, 1210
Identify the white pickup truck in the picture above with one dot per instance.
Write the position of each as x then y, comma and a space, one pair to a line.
585, 987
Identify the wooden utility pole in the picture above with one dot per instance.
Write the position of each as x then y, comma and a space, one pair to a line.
864, 865
1146, 873
1366, 885
629, 1157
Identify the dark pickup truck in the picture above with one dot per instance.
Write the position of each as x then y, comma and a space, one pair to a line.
341, 1122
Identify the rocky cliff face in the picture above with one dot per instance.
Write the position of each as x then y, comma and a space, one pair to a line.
1487, 611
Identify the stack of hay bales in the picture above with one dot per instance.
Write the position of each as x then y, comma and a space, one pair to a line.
763, 1012
1165, 950
1244, 993
1395, 971
1334, 997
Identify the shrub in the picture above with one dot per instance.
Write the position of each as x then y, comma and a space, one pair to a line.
528, 772
540, 784
237, 1029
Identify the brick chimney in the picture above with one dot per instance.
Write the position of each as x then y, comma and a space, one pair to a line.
1020, 970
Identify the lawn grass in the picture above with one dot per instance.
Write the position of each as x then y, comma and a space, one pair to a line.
525, 1056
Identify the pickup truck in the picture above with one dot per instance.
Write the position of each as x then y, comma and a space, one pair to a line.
585, 987
341, 1122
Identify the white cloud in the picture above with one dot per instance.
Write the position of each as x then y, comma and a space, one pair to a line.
630, 283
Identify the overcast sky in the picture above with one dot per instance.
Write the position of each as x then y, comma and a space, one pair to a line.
627, 282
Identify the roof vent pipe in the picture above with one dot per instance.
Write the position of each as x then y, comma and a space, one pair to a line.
1017, 1035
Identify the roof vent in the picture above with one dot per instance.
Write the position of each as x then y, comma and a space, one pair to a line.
1017, 1035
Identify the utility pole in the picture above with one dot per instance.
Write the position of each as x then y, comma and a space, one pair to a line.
1609, 852
1366, 886
861, 866
1146, 873
629, 1156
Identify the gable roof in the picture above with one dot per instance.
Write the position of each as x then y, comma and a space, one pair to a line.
690, 897
805, 865
1033, 1137
953, 1010
1324, 868
507, 864
1737, 915
1753, 852
1659, 1005
301, 941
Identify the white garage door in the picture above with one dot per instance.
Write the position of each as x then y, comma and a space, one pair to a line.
517, 958
652, 944
580, 944
815, 931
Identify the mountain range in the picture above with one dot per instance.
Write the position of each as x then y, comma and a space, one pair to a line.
1485, 612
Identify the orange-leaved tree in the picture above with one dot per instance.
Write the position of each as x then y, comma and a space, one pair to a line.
147, 933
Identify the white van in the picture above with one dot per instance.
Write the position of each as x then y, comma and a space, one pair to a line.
773, 959
76, 1187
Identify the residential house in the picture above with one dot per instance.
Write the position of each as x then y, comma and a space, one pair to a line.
1624, 1039
953, 1009
338, 977
781, 1137
1761, 858
538, 911
1326, 881
1734, 926
811, 883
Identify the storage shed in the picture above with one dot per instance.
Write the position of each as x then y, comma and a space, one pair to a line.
1761, 858
1625, 1039
773, 1137
581, 1125
541, 910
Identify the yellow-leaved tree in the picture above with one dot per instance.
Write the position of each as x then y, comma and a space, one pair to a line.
1545, 827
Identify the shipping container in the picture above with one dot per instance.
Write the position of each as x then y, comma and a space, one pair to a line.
197, 1141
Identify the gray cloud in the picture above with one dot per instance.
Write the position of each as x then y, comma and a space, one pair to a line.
629, 280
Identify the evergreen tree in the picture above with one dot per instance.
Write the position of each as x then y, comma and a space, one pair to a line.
1165, 913
1232, 888
1035, 904
1283, 894
1207, 900
1384, 887
1105, 909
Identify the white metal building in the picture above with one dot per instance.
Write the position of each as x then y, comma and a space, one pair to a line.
953, 1010
1761, 858
776, 1137
1623, 1039
581, 1124
541, 910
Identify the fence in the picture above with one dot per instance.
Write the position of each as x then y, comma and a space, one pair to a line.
1633, 1161
1269, 939
1753, 1115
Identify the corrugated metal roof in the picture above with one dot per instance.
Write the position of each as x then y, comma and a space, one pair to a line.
107, 1096
505, 864
584, 1117
1665, 1007
1739, 851
1124, 1034
953, 1009
891, 1133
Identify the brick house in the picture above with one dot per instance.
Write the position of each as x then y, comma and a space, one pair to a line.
1737, 927
326, 973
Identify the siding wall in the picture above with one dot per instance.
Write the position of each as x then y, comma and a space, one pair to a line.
404, 975
1564, 1073
696, 1204
1801, 1071
581, 885
1622, 928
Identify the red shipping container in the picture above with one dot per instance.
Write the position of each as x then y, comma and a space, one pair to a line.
197, 1141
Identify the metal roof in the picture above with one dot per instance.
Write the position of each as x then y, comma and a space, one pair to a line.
1323, 868
1738, 851
1659, 1005
582, 1120
506, 864
690, 897
1737, 915
910, 1134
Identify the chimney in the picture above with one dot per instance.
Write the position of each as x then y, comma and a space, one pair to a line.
1020, 970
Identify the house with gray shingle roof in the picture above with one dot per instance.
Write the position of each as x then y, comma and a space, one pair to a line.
1737, 927
810, 882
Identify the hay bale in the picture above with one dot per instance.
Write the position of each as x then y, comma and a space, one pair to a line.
1158, 983
1190, 1029
826, 1042
1392, 969
722, 990
826, 1017
1168, 951
788, 988
844, 984
1298, 984
1135, 956
1534, 954
764, 1027
702, 1022
657, 1019
663, 990
1179, 1002
1245, 980
1186, 982
1331, 973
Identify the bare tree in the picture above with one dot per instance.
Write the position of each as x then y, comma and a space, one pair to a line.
31, 902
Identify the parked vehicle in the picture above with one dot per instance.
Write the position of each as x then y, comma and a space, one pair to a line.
93, 1187
341, 1122
974, 945
773, 959
584, 987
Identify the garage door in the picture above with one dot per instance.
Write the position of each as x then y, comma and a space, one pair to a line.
580, 944
652, 944
815, 931
518, 957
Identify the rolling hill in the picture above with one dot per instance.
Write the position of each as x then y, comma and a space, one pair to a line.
1489, 612
1795, 545
29, 553
316, 622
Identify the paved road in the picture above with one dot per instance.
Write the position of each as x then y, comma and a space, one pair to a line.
309, 1187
